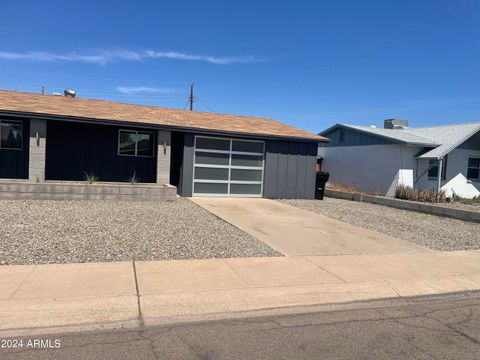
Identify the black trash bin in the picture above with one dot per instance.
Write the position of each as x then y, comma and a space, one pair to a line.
320, 181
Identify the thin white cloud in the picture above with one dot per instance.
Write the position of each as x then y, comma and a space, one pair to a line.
194, 57
143, 89
107, 56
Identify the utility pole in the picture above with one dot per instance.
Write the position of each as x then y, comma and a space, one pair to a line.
191, 97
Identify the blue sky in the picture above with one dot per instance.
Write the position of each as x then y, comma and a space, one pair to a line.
308, 63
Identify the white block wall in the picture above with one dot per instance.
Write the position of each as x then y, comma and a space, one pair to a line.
164, 139
37, 144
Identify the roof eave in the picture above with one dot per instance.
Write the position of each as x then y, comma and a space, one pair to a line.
155, 126
452, 147
394, 140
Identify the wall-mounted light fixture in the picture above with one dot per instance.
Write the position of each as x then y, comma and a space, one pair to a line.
38, 138
165, 147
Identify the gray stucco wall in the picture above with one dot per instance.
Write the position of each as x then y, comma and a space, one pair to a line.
370, 168
289, 169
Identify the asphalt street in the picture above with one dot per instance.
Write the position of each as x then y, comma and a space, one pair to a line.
436, 327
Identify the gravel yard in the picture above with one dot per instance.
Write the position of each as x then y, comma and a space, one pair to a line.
39, 232
435, 232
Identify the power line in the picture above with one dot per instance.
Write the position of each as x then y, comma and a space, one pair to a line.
208, 107
186, 104
362, 52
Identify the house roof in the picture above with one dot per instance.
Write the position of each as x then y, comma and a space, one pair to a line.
53, 106
395, 136
449, 136
442, 139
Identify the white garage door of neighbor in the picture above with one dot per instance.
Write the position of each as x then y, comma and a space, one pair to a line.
228, 167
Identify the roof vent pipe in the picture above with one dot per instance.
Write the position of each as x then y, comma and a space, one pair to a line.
69, 93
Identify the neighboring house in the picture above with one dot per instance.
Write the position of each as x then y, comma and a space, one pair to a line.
377, 160
47, 137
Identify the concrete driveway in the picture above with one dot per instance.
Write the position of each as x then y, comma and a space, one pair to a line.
295, 232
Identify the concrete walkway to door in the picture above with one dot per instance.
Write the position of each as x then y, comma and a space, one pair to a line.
296, 232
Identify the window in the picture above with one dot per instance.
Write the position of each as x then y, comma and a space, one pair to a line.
11, 134
135, 143
473, 171
433, 168
228, 167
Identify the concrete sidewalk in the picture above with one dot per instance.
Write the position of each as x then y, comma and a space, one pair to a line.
297, 232
59, 298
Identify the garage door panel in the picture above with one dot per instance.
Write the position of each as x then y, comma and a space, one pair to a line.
246, 175
210, 188
247, 160
212, 144
246, 189
247, 146
205, 173
228, 167
206, 158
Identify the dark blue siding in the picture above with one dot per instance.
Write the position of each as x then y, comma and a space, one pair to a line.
472, 144
14, 163
351, 138
74, 149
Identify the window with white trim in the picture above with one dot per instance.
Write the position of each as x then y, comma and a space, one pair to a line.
11, 134
228, 167
473, 170
136, 143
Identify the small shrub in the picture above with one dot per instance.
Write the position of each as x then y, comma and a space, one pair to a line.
423, 195
90, 178
473, 201
340, 187
134, 179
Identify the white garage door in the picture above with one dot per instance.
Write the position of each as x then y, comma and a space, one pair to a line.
228, 167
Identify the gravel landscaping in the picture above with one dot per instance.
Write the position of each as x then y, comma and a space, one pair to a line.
39, 232
438, 233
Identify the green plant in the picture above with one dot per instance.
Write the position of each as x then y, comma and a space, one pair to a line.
133, 179
90, 178
37, 179
472, 201
423, 195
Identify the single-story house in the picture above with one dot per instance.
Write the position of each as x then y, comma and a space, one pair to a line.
377, 160
63, 138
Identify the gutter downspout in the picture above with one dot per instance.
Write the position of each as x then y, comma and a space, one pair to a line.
439, 177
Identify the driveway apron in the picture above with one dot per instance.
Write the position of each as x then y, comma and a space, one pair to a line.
297, 232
